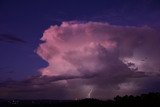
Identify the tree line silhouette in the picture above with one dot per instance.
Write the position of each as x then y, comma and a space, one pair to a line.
150, 99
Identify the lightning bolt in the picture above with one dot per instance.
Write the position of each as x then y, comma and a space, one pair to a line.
90, 92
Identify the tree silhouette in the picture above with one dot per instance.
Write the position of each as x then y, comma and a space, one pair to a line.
150, 99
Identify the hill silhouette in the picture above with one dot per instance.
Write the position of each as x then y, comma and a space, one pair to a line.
150, 99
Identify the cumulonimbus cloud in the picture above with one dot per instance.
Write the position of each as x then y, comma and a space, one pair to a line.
109, 54
94, 59
74, 47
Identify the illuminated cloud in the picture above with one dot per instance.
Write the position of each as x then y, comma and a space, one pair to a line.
99, 55
93, 59
74, 47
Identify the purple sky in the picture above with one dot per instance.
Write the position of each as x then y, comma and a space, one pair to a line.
58, 49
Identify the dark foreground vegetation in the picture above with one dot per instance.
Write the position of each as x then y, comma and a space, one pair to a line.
151, 100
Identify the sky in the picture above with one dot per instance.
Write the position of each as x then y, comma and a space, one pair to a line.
69, 49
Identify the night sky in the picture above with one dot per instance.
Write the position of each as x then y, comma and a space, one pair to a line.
69, 49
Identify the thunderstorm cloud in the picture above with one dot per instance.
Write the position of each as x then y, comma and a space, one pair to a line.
107, 58
94, 59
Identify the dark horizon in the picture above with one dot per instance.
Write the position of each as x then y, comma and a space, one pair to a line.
150, 99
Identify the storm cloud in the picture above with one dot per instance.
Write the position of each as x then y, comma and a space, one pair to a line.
114, 56
94, 59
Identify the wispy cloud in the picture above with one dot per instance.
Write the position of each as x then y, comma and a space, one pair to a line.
11, 39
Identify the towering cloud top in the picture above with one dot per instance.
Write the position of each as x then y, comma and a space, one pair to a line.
75, 48
98, 60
